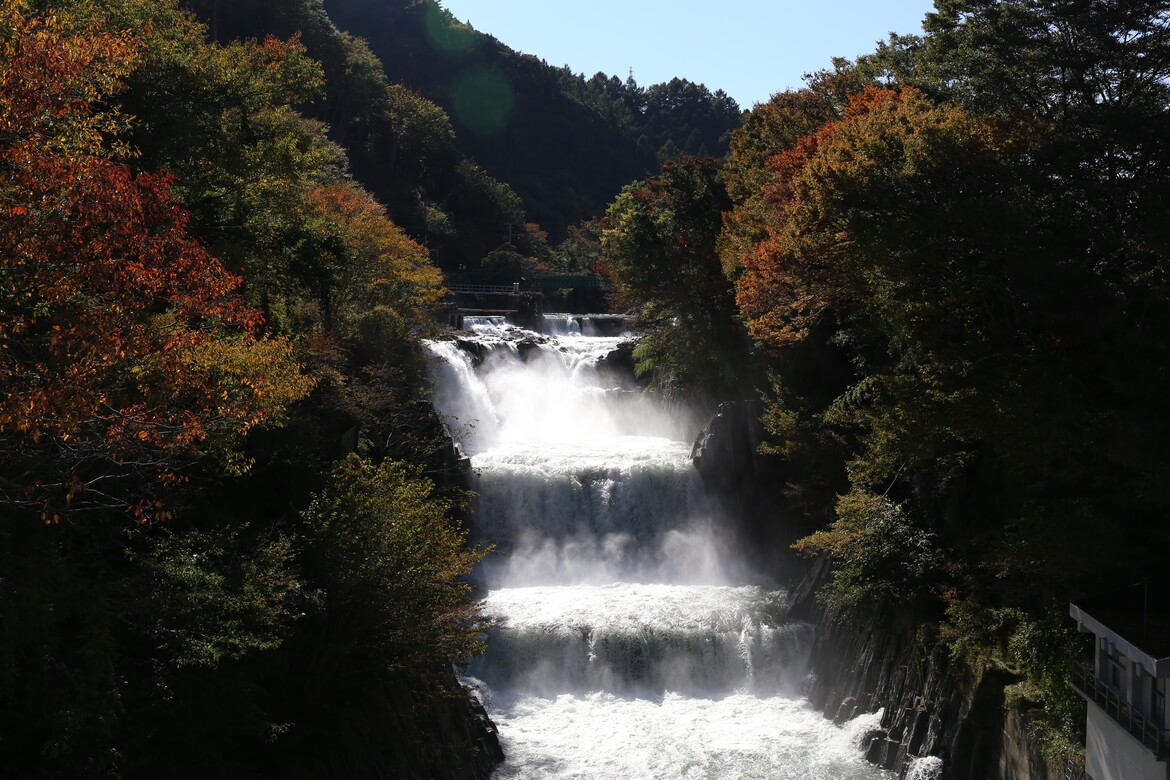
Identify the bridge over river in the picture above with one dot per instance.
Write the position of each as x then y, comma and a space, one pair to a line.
520, 298
493, 283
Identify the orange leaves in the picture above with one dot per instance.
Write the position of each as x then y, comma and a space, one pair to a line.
385, 266
792, 275
124, 340
869, 207
50, 76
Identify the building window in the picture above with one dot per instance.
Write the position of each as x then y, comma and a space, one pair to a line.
1113, 674
1158, 706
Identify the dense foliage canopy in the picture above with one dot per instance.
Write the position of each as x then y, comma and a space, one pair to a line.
200, 312
970, 225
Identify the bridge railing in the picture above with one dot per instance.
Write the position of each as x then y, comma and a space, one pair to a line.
491, 282
483, 289
565, 282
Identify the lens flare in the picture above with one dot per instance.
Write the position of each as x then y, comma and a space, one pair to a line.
483, 101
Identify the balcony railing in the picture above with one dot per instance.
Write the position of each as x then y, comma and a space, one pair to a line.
1149, 734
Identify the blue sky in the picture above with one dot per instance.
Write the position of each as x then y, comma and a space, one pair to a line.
748, 48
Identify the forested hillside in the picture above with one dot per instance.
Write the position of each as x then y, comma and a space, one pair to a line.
229, 543
554, 147
951, 258
565, 144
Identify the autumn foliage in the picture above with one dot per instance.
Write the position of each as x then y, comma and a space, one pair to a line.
121, 338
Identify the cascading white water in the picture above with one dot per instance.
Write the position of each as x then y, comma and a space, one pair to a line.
924, 768
625, 641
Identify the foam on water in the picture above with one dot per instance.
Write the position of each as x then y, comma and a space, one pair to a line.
590, 325
530, 389
625, 640
600, 736
925, 768
644, 640
487, 325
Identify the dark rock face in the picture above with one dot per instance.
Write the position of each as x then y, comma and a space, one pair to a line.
725, 450
485, 739
526, 347
437, 735
476, 349
749, 485
617, 367
445, 462
455, 719
475, 739
934, 706
884, 659
1019, 757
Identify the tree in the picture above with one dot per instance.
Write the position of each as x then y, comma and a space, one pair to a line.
1092, 76
920, 236
393, 565
121, 338
982, 247
770, 129
382, 265
220, 119
658, 242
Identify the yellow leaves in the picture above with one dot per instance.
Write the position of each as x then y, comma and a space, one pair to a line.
385, 266
53, 72
258, 379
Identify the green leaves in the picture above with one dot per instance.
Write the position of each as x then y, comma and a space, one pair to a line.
392, 567
981, 246
879, 554
207, 600
659, 241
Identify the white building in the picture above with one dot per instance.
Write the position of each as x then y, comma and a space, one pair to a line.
1127, 731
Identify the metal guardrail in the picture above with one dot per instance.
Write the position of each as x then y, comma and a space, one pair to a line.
566, 282
1109, 700
488, 282
483, 289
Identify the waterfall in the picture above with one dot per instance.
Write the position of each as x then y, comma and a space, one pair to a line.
925, 768
624, 641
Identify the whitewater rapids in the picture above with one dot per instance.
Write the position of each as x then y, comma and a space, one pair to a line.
625, 638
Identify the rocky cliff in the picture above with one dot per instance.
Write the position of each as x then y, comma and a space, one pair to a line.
887, 659
933, 705
748, 485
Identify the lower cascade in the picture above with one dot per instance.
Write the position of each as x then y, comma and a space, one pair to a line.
625, 639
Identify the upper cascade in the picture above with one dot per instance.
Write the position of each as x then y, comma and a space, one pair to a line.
501, 385
578, 480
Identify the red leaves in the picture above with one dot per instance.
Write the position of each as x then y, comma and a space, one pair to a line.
788, 280
110, 314
50, 77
